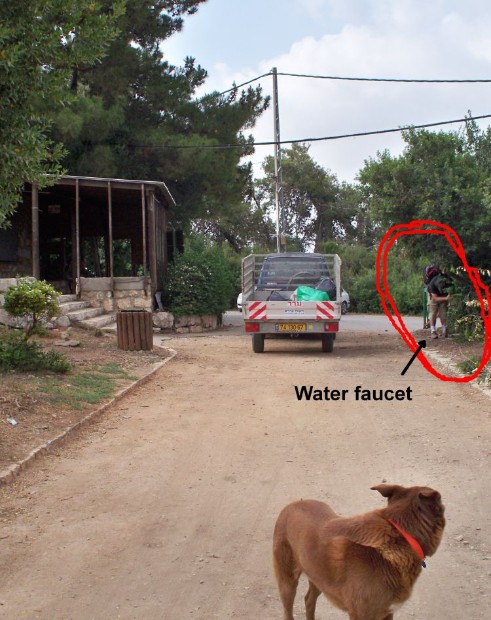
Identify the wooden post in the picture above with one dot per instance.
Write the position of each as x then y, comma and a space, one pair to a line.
77, 236
110, 224
152, 243
144, 230
36, 269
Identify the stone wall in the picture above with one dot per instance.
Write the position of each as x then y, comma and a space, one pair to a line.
5, 284
59, 321
126, 294
165, 321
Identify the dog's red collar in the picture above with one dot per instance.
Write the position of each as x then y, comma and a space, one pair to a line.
414, 544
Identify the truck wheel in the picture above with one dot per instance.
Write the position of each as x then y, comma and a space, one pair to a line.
258, 343
327, 343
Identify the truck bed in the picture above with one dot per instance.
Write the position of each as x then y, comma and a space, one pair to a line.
269, 302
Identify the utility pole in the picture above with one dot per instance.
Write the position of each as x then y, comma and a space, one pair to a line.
277, 166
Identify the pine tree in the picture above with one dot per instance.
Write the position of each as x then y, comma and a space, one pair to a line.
134, 115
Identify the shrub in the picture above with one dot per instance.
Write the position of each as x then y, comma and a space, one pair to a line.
200, 281
358, 277
470, 324
363, 292
32, 300
464, 315
17, 353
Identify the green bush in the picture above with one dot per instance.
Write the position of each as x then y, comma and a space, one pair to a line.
17, 353
200, 281
466, 320
464, 317
358, 278
363, 293
32, 300
405, 275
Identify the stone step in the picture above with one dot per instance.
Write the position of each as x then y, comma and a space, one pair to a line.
66, 298
84, 314
106, 321
73, 306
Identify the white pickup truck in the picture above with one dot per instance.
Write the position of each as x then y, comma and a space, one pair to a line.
269, 300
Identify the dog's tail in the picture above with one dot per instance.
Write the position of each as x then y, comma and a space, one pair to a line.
285, 565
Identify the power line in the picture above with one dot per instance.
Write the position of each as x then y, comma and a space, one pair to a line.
360, 79
237, 86
382, 131
324, 138
403, 80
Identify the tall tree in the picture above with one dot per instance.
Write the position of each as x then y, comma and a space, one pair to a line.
316, 208
137, 116
440, 176
248, 226
40, 41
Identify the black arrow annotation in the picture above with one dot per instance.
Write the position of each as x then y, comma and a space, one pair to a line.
421, 345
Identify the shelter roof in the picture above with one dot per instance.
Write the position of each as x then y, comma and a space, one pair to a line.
124, 184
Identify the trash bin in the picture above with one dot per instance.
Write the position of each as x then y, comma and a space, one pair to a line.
135, 330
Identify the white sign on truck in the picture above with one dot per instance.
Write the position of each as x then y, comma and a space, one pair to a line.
275, 296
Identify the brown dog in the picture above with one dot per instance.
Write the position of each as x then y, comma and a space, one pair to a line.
366, 565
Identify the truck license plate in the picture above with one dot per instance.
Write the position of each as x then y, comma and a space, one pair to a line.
291, 327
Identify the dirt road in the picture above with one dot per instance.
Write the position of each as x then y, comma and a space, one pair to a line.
164, 509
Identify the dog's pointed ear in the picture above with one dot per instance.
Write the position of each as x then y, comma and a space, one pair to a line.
387, 490
430, 494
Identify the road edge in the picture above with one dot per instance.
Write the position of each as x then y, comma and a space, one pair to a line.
452, 370
13, 471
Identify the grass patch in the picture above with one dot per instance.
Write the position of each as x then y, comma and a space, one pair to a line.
469, 365
111, 368
86, 387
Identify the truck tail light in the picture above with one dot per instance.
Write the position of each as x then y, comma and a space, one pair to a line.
331, 327
252, 327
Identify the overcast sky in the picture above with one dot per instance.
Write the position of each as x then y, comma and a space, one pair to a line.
237, 40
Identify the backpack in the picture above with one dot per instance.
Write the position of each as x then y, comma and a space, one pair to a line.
430, 272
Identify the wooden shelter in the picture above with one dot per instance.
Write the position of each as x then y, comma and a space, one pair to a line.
87, 228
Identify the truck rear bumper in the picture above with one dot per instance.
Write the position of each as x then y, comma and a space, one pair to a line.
291, 327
